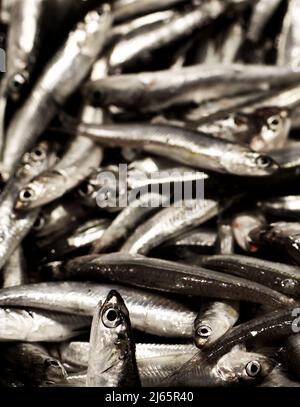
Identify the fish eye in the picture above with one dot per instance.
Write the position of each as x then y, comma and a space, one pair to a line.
253, 368
38, 154
263, 161
51, 362
26, 195
111, 318
85, 189
97, 96
273, 122
17, 82
39, 223
204, 331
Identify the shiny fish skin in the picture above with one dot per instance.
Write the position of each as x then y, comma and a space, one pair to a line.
14, 271
271, 326
284, 236
278, 276
289, 41
112, 360
232, 368
149, 312
129, 49
18, 324
185, 146
126, 221
167, 276
214, 320
125, 9
76, 353
261, 14
169, 223
16, 226
282, 206
58, 81
156, 90
83, 236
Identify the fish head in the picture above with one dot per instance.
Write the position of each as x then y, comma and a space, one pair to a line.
249, 163
110, 335
243, 226
275, 127
53, 370
33, 162
240, 366
16, 83
30, 195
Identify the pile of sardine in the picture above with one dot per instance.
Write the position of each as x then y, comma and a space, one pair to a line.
102, 100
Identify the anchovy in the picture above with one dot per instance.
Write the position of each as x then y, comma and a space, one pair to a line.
214, 320
127, 220
185, 146
129, 49
261, 14
40, 326
14, 271
112, 361
58, 81
162, 89
287, 206
169, 223
278, 276
82, 237
126, 9
167, 276
272, 326
149, 312
289, 40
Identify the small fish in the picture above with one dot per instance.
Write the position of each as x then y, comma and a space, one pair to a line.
169, 223
214, 320
60, 78
261, 15
149, 312
278, 276
112, 361
152, 91
14, 271
286, 206
40, 326
185, 146
166, 276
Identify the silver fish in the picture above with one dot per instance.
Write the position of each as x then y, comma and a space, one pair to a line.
149, 312
214, 320
169, 223
185, 146
112, 361
261, 14
58, 81
14, 271
40, 326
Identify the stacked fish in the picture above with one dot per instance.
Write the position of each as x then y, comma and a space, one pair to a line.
191, 291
